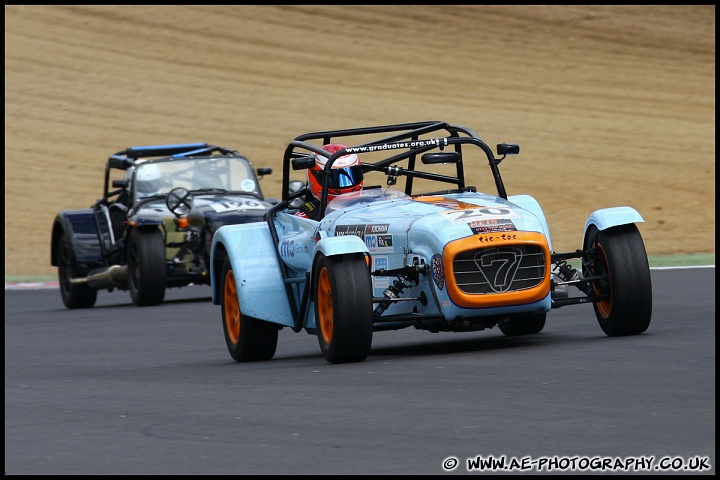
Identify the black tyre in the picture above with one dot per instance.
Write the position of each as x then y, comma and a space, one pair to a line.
343, 307
248, 339
147, 270
73, 295
618, 253
523, 325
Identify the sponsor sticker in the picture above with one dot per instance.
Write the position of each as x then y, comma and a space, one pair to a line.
379, 243
357, 230
377, 228
247, 185
437, 270
288, 248
380, 263
492, 225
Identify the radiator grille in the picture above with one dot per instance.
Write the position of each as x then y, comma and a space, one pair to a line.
499, 269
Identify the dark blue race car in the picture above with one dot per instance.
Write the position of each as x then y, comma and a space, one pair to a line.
153, 226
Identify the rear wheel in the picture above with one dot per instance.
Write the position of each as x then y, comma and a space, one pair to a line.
618, 254
147, 271
343, 307
73, 295
523, 325
248, 339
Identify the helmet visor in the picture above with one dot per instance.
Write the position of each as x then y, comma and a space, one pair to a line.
149, 186
341, 177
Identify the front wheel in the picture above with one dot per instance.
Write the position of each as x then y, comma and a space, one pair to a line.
73, 295
248, 339
343, 307
523, 325
618, 255
147, 271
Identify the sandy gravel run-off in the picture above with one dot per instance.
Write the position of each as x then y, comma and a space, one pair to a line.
611, 105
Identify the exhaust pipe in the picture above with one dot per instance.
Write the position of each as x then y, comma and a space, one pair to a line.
105, 278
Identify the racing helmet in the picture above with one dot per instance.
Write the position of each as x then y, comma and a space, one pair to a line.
148, 180
346, 174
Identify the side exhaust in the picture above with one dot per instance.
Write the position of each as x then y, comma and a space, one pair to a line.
105, 278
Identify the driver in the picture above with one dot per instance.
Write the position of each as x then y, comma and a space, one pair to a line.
346, 176
148, 180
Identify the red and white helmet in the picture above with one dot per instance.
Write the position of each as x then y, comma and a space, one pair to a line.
346, 174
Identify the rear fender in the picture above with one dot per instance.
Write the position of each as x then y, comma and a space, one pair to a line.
253, 256
80, 228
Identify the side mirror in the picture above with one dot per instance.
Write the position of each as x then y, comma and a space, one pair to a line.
303, 163
441, 157
264, 171
508, 149
295, 186
295, 189
120, 183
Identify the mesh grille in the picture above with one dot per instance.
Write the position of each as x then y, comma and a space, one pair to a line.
499, 269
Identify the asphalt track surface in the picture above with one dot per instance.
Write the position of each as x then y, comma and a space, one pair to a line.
118, 389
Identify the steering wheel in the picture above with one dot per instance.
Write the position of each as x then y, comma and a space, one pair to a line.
179, 200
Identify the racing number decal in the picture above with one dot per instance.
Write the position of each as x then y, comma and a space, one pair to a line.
503, 261
221, 207
478, 219
476, 214
483, 219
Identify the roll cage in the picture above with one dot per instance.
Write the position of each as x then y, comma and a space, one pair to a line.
129, 157
428, 139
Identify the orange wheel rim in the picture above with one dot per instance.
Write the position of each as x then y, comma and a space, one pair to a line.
324, 306
231, 307
605, 306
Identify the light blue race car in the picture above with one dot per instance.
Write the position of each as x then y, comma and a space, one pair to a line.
420, 248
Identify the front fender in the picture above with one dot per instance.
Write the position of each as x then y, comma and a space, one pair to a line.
330, 246
612, 217
339, 245
253, 257
144, 221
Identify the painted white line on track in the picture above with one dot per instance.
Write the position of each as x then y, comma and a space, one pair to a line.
30, 285
51, 285
675, 268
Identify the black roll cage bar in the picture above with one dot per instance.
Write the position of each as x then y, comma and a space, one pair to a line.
125, 159
409, 139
